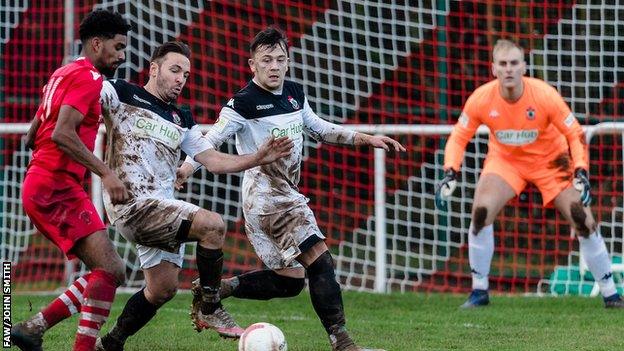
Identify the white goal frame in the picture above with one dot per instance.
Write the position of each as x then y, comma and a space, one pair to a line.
380, 285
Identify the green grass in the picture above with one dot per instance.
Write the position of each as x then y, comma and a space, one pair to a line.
397, 322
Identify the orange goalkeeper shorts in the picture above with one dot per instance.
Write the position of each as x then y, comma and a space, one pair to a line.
551, 176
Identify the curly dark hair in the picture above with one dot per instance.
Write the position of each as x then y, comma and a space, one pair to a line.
270, 37
104, 24
170, 46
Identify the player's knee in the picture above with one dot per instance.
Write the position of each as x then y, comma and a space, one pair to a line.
160, 295
211, 229
218, 226
118, 270
479, 217
579, 219
168, 293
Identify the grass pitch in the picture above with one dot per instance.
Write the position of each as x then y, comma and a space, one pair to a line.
396, 322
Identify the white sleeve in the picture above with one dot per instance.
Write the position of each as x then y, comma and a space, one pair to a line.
196, 165
228, 124
108, 97
324, 131
194, 142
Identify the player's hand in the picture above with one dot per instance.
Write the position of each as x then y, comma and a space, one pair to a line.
378, 141
581, 183
115, 188
445, 188
273, 149
384, 142
182, 174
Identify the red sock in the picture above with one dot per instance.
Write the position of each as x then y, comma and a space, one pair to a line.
98, 299
68, 303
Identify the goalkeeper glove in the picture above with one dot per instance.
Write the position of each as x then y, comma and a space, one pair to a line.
445, 188
581, 183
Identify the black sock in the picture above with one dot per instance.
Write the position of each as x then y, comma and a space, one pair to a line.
136, 313
266, 284
210, 267
325, 292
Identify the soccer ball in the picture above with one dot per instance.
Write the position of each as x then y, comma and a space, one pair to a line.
262, 337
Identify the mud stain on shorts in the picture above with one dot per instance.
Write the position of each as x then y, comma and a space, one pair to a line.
563, 163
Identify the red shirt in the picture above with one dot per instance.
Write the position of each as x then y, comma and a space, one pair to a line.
77, 84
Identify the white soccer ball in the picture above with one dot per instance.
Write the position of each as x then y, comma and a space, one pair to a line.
262, 337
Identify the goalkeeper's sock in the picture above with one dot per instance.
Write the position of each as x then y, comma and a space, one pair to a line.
135, 315
480, 251
265, 285
210, 266
595, 253
325, 292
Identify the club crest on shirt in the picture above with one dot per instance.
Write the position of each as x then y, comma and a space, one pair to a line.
530, 113
293, 102
176, 118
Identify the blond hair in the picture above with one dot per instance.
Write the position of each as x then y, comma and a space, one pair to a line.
504, 44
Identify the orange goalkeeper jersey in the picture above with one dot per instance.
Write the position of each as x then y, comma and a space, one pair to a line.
534, 129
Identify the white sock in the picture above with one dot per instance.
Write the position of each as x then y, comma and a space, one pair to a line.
480, 251
595, 253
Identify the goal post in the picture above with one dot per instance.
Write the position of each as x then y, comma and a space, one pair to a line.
406, 244
374, 64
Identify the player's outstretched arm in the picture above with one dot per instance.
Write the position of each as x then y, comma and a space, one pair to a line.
378, 141
271, 150
66, 138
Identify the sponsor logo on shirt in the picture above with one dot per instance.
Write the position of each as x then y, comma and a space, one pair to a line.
264, 107
220, 123
141, 100
290, 130
569, 120
160, 130
516, 137
463, 120
293, 102
176, 118
530, 113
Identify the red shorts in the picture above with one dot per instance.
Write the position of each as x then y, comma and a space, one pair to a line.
60, 209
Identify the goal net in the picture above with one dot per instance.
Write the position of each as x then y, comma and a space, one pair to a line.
360, 62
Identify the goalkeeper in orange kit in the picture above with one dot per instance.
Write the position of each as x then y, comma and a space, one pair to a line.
534, 138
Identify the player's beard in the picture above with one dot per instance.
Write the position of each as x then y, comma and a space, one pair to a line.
109, 70
168, 93
173, 95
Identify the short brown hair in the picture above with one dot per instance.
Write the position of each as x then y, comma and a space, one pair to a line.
270, 37
170, 46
